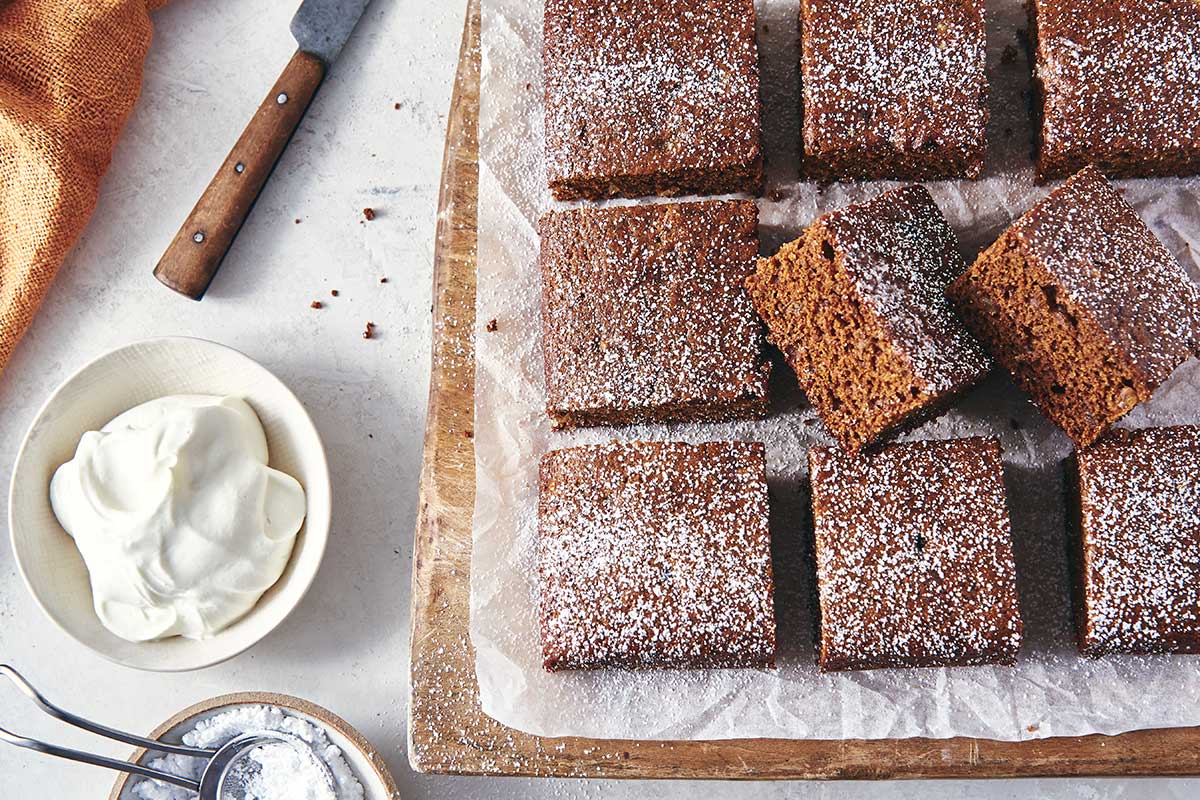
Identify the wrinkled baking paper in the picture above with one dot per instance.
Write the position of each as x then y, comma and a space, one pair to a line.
1052, 692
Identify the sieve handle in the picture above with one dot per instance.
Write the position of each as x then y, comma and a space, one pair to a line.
130, 767
46, 706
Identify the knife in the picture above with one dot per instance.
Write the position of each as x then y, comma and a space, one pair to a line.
321, 28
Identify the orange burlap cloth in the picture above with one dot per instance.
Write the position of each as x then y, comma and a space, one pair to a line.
70, 71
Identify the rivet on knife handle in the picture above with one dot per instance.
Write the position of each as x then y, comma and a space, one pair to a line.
192, 259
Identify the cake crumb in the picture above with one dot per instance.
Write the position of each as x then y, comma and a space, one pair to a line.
492, 326
315, 304
369, 213
369, 331
396, 106
1145, 308
383, 279
899, 254
333, 292
297, 220
1031, 728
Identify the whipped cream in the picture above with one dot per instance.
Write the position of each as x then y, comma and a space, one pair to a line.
181, 523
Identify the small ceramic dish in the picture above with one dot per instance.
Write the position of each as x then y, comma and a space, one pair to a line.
368, 765
113, 383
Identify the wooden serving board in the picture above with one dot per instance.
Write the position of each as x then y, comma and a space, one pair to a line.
449, 733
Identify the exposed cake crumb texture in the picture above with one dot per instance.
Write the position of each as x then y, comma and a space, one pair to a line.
1111, 264
902, 255
1083, 305
857, 305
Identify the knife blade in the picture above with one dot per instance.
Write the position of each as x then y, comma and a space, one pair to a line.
321, 29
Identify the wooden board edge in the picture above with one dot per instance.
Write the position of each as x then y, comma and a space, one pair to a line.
448, 731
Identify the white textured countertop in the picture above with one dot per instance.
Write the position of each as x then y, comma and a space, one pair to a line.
346, 646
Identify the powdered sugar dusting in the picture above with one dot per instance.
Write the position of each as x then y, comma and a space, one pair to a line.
1140, 522
643, 86
655, 554
1112, 266
905, 75
914, 556
1050, 692
902, 254
1121, 78
644, 313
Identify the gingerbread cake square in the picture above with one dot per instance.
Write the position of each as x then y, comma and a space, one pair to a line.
1083, 305
914, 557
655, 554
651, 97
857, 305
645, 316
1117, 85
1137, 518
893, 90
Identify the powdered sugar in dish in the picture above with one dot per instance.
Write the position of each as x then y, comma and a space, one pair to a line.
273, 771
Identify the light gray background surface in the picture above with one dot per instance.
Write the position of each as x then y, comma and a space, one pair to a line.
346, 646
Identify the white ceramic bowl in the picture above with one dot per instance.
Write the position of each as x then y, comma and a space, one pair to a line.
368, 765
115, 382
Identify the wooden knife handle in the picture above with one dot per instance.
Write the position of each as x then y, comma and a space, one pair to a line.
191, 261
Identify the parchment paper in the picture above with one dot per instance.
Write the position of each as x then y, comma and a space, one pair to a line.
1051, 692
